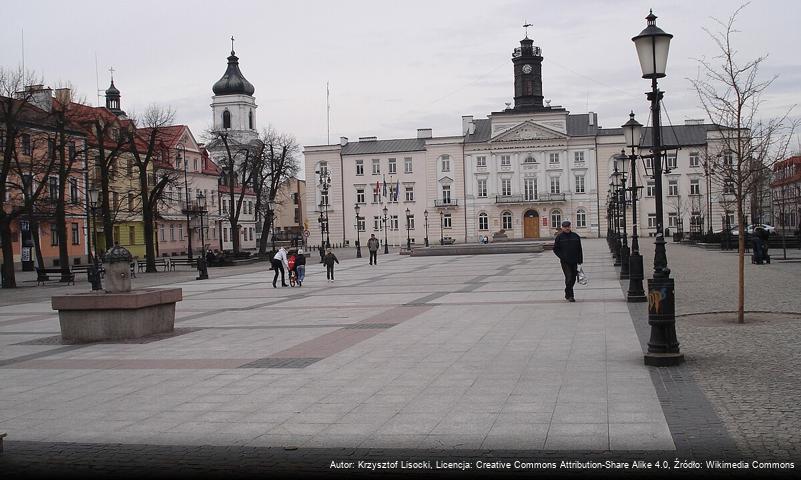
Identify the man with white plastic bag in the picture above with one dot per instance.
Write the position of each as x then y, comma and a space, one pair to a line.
567, 246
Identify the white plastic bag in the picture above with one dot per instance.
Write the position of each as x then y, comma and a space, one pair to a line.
582, 277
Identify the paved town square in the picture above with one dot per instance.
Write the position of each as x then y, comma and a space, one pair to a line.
421, 355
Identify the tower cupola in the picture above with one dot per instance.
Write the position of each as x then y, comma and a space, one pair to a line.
527, 60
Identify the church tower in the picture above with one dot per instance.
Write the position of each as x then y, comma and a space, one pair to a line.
527, 60
113, 100
233, 105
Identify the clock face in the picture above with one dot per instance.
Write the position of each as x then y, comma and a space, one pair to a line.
527, 68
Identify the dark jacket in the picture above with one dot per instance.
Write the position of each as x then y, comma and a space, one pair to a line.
329, 259
300, 259
567, 246
372, 244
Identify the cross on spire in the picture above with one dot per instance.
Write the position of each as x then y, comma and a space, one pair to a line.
526, 25
232, 44
111, 69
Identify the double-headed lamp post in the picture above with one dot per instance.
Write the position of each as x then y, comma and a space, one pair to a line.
178, 150
652, 46
624, 245
425, 214
632, 132
408, 227
358, 243
441, 227
202, 268
94, 276
386, 245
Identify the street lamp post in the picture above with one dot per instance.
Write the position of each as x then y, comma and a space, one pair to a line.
94, 275
202, 268
613, 189
321, 221
632, 131
652, 46
425, 214
325, 184
408, 226
271, 212
624, 243
358, 243
386, 245
441, 227
182, 147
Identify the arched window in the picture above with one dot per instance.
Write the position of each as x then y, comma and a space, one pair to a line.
226, 119
581, 218
506, 220
483, 221
250, 119
556, 218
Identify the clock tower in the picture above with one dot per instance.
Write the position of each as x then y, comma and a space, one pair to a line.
527, 60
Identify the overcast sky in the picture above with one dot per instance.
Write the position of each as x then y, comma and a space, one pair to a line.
392, 67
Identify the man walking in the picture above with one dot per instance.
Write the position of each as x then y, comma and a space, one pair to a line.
372, 246
567, 246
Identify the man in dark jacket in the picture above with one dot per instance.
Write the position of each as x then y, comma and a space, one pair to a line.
567, 246
372, 246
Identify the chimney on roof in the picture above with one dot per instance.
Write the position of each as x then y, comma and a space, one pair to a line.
343, 141
63, 95
694, 121
368, 139
39, 96
591, 119
467, 121
425, 133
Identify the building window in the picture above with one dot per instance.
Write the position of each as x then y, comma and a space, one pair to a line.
323, 169
225, 233
673, 187
672, 218
506, 220
226, 119
483, 221
172, 232
649, 163
324, 197
506, 160
671, 161
506, 186
581, 218
393, 222
130, 202
132, 235
555, 186
481, 161
481, 191
52, 188
556, 218
579, 183
162, 233
649, 189
376, 223
410, 222
407, 165
377, 196
728, 159
181, 231
376, 166
393, 166
695, 159
359, 167
728, 187
409, 193
695, 187
530, 189
360, 224
446, 163
360, 195
446, 194
651, 220
76, 238
53, 235
250, 119
530, 159
392, 197
26, 144
578, 157
447, 221
553, 158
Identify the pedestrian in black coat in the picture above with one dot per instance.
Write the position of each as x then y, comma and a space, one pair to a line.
567, 246
329, 260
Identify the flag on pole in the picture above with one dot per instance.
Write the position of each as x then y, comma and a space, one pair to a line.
397, 189
385, 187
377, 187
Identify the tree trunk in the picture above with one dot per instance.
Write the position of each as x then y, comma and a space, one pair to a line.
105, 212
9, 281
740, 262
266, 227
61, 233
37, 243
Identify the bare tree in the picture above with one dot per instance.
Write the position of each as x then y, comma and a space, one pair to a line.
730, 91
149, 148
22, 163
277, 164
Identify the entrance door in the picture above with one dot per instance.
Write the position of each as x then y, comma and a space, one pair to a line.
531, 224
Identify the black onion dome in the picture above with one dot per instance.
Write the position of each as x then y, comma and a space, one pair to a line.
112, 90
232, 81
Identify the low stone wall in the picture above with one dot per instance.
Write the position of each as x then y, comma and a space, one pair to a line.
479, 249
94, 317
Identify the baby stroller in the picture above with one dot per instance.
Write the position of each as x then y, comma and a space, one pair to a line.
293, 275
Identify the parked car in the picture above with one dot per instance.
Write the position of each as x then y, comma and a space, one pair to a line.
749, 229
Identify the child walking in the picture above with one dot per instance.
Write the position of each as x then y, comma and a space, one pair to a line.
329, 260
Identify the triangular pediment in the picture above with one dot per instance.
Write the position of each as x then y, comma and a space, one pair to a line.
528, 131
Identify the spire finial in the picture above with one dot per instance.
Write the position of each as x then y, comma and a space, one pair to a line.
232, 45
526, 25
111, 70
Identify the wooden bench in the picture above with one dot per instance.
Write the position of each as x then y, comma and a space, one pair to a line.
42, 275
182, 262
164, 263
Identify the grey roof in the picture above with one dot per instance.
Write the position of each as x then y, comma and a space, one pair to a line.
679, 135
482, 132
579, 125
384, 146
